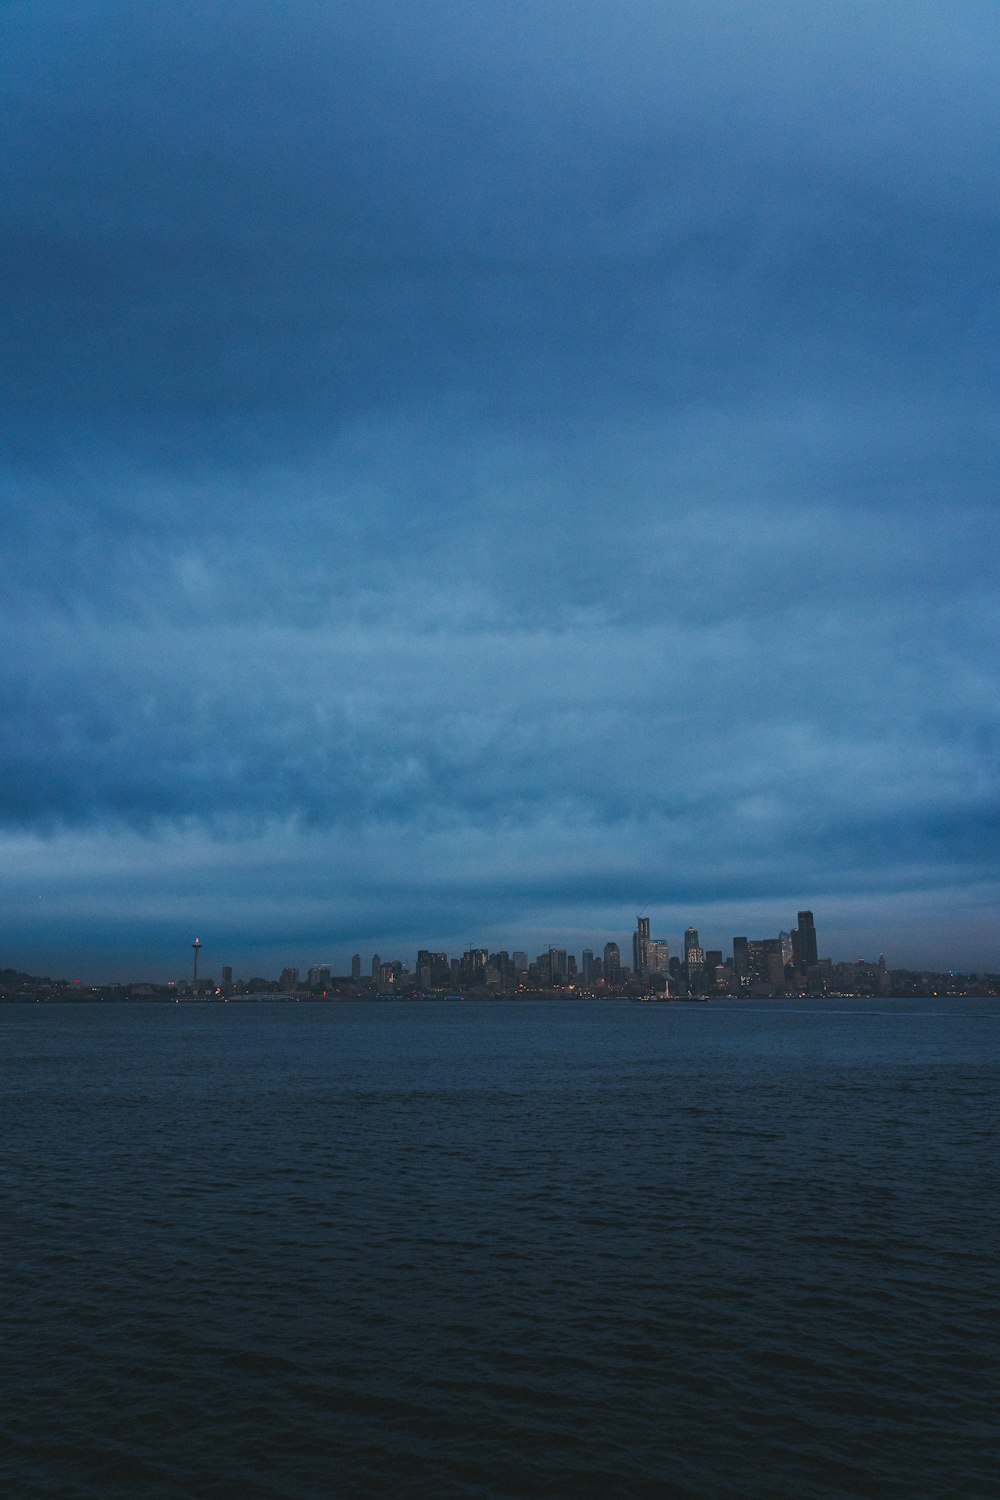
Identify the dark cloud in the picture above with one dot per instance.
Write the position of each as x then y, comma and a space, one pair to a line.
556, 442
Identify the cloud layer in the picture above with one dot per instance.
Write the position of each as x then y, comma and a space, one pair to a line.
469, 474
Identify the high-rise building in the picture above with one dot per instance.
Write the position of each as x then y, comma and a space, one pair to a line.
612, 963
807, 940
587, 966
376, 968
432, 971
741, 962
474, 962
694, 956
658, 957
640, 947
356, 966
766, 964
289, 979
558, 965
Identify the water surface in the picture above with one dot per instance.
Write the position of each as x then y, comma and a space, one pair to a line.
500, 1250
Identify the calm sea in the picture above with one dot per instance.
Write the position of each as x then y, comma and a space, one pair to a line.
500, 1250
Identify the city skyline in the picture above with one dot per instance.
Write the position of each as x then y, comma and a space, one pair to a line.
475, 470
661, 958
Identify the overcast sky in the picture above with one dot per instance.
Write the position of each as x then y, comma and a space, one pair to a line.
474, 470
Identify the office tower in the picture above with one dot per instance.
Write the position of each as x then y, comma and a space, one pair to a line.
501, 962
658, 957
356, 966
558, 965
520, 961
807, 940
474, 962
289, 979
765, 964
227, 978
694, 956
612, 963
640, 947
587, 963
741, 962
433, 971
376, 967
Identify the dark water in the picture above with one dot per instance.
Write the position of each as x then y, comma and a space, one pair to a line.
500, 1250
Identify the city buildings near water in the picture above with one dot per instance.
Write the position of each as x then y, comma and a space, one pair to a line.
786, 965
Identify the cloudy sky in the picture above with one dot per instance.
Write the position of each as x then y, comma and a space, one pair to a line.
474, 470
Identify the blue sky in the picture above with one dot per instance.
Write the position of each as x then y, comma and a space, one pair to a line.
471, 471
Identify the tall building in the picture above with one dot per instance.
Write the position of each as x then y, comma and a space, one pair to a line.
766, 964
807, 940
694, 956
433, 970
587, 958
640, 947
474, 962
658, 957
741, 962
612, 963
356, 966
376, 968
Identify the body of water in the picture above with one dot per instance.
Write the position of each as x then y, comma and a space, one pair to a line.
500, 1250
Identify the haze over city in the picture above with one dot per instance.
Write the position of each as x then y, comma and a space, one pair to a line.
471, 473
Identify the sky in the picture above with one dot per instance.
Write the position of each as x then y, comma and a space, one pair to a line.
474, 471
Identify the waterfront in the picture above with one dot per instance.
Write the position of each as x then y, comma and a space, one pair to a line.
500, 1249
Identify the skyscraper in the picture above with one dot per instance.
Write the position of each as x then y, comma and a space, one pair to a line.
807, 940
558, 965
640, 947
741, 962
612, 963
694, 957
